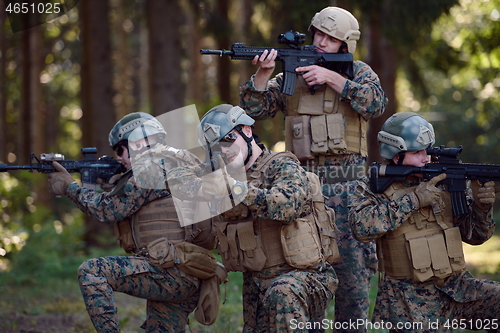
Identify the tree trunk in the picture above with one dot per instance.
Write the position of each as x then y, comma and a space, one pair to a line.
166, 87
97, 92
223, 37
195, 89
383, 59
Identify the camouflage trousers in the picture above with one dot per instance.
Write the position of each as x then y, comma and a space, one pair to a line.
171, 295
286, 302
357, 264
462, 302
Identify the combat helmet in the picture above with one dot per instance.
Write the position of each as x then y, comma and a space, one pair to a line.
219, 121
135, 126
338, 23
405, 131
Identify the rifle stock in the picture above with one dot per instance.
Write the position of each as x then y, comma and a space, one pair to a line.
457, 174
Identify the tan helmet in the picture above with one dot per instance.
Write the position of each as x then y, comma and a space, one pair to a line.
338, 23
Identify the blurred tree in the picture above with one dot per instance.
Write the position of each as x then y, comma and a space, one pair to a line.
459, 67
97, 90
164, 19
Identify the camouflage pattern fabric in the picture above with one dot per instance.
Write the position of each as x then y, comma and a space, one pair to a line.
284, 299
271, 298
432, 304
357, 265
284, 199
275, 296
364, 92
358, 261
171, 295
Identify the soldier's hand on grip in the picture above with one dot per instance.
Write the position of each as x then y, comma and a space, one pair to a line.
60, 180
217, 183
427, 192
107, 187
484, 195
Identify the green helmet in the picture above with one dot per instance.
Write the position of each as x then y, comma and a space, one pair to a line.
219, 121
338, 23
125, 129
405, 131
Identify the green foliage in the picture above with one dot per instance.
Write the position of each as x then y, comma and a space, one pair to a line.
52, 251
460, 68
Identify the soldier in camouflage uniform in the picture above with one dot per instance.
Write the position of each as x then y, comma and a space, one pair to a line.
327, 129
129, 206
277, 297
426, 287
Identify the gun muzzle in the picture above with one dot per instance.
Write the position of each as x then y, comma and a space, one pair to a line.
217, 52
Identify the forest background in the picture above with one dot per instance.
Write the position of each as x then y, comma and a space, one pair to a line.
64, 84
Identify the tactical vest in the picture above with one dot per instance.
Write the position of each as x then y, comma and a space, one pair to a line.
322, 124
160, 219
250, 243
426, 246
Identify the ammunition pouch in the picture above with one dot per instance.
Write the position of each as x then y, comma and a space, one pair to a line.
124, 235
322, 124
253, 244
301, 244
426, 246
190, 258
240, 248
209, 301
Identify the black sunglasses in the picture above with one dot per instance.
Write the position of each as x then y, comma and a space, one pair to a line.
229, 137
121, 146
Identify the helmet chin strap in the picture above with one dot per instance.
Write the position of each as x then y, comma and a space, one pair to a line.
248, 141
401, 158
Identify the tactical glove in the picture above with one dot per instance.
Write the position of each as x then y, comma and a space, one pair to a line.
60, 180
217, 183
427, 193
107, 187
484, 195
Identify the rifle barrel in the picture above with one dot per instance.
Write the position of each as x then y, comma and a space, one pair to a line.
6, 167
218, 52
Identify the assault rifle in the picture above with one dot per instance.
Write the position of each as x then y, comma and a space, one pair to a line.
90, 168
457, 174
292, 58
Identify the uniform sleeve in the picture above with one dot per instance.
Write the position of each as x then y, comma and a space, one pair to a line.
365, 92
262, 104
478, 226
286, 195
185, 182
372, 215
109, 208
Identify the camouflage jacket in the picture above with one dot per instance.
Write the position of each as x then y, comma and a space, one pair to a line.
364, 92
371, 215
285, 196
145, 182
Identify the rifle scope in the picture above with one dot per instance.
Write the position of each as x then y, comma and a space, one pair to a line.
444, 152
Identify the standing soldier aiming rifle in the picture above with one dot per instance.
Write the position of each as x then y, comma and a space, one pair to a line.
141, 209
426, 287
326, 122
